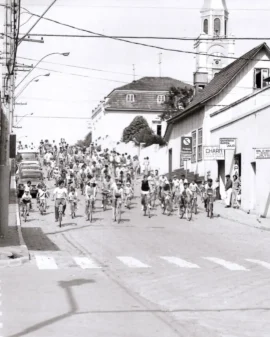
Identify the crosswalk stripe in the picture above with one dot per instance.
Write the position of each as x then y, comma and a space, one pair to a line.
179, 262
131, 262
86, 263
227, 264
45, 262
261, 263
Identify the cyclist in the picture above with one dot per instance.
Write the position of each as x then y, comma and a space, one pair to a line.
166, 192
90, 196
27, 186
117, 194
186, 194
43, 195
209, 191
128, 192
73, 199
60, 195
107, 187
26, 200
175, 185
145, 190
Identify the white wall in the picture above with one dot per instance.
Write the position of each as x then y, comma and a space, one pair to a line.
158, 157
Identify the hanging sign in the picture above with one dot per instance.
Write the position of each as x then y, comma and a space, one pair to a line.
227, 143
213, 153
262, 153
186, 145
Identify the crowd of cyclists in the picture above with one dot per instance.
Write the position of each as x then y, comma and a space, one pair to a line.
87, 171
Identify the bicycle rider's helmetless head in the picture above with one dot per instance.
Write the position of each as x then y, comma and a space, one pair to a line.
61, 183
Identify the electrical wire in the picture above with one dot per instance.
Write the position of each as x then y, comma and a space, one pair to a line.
152, 37
140, 43
77, 67
58, 117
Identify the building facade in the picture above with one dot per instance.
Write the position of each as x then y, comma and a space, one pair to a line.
144, 97
214, 47
219, 112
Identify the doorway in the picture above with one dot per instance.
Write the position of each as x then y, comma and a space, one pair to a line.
170, 163
253, 186
221, 170
238, 161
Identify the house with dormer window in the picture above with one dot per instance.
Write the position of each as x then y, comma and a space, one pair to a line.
144, 97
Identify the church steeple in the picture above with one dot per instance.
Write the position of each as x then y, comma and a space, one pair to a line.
214, 26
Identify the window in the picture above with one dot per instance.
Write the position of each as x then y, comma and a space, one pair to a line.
194, 144
200, 143
226, 27
217, 26
259, 78
159, 130
205, 26
161, 99
130, 98
182, 163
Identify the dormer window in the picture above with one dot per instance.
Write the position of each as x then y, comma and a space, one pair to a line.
217, 26
261, 78
130, 98
161, 99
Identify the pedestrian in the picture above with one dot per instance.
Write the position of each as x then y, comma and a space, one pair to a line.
217, 188
235, 191
228, 190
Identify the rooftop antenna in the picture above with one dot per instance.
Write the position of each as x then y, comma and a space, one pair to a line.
160, 62
134, 73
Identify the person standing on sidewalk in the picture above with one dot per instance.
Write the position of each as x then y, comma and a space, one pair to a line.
235, 191
228, 190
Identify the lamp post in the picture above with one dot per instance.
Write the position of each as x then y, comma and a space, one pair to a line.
35, 79
17, 127
63, 54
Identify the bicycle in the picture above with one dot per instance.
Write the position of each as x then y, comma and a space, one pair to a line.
185, 208
194, 204
25, 211
210, 204
105, 199
60, 213
42, 206
128, 201
167, 205
73, 209
154, 197
90, 209
117, 210
146, 205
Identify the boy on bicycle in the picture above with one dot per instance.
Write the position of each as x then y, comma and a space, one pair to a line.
107, 187
73, 199
43, 195
26, 200
128, 192
90, 196
186, 194
117, 194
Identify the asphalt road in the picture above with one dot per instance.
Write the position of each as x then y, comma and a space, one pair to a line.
161, 277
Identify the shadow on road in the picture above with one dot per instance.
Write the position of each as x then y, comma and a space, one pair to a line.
35, 239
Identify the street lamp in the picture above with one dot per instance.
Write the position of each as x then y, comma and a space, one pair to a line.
63, 54
33, 80
18, 127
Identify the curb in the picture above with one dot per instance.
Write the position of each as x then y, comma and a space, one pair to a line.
23, 250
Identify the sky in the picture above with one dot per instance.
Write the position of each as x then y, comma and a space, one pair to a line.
73, 92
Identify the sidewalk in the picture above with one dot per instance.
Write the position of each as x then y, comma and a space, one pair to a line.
239, 216
13, 251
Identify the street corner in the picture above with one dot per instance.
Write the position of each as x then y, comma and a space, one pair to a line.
13, 256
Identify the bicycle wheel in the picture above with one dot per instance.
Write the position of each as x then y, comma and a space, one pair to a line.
25, 215
188, 213
91, 212
104, 203
208, 209
211, 211
182, 211
60, 219
149, 211
195, 207
119, 214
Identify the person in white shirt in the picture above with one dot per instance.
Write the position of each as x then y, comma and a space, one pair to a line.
60, 195
73, 199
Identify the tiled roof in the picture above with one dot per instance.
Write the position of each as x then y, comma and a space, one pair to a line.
221, 80
145, 91
154, 84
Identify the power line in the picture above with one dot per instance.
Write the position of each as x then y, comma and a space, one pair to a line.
150, 37
77, 67
140, 43
56, 117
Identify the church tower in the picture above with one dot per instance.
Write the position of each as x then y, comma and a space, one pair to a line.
214, 26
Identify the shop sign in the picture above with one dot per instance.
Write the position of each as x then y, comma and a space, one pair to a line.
213, 153
262, 153
185, 156
186, 145
227, 143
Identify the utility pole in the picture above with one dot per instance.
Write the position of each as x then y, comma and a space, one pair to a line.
160, 62
6, 111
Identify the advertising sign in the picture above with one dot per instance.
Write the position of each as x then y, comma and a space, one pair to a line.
213, 153
227, 143
262, 153
186, 145
185, 156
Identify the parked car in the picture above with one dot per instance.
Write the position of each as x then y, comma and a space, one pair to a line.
35, 176
27, 155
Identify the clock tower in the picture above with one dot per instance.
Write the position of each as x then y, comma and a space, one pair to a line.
213, 42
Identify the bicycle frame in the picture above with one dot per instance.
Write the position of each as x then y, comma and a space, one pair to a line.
117, 210
210, 206
60, 213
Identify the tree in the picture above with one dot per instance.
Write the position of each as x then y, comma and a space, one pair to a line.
140, 132
177, 100
86, 142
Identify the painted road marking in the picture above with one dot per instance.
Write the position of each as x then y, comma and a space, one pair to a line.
179, 262
86, 263
227, 264
45, 262
131, 262
261, 263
